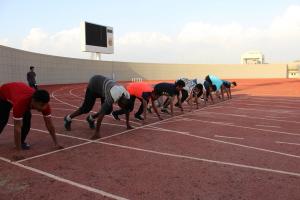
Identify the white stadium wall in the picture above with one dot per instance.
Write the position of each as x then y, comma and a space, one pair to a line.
14, 64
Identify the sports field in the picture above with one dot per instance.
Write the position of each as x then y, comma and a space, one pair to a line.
244, 148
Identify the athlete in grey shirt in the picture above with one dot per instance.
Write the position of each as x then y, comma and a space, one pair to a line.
109, 92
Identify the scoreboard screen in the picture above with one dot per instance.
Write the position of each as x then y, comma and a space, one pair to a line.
96, 38
96, 35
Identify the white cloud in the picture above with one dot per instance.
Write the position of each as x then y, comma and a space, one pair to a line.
144, 38
196, 42
4, 42
63, 43
200, 42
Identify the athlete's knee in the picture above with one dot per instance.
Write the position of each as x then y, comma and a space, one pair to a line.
84, 109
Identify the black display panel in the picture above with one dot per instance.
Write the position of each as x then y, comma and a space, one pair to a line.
95, 35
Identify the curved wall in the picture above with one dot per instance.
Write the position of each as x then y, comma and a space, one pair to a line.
14, 64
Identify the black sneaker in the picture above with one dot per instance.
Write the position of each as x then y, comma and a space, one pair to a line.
91, 122
139, 117
115, 116
67, 124
25, 146
177, 104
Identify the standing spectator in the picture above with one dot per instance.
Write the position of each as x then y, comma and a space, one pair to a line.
31, 78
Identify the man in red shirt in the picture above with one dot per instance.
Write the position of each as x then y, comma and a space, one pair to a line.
143, 92
21, 98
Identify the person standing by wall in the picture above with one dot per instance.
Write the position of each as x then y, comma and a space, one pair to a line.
31, 75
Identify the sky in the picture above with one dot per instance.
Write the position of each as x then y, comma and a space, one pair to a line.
164, 31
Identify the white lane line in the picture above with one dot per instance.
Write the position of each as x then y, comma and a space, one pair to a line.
221, 136
275, 100
57, 103
107, 137
63, 180
171, 121
244, 127
239, 145
262, 102
200, 159
71, 92
218, 107
214, 122
164, 129
87, 140
53, 95
181, 133
52, 152
205, 160
66, 109
264, 110
246, 116
276, 107
261, 110
279, 117
278, 142
79, 120
262, 125
163, 121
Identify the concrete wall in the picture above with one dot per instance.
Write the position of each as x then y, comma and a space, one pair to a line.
14, 65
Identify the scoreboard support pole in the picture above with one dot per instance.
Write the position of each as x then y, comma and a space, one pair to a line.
98, 56
95, 56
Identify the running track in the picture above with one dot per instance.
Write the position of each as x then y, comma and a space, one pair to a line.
244, 148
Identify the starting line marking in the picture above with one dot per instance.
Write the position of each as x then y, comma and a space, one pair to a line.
181, 133
63, 180
221, 136
87, 141
278, 142
148, 151
107, 137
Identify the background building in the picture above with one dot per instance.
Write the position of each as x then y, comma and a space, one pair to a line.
253, 57
294, 69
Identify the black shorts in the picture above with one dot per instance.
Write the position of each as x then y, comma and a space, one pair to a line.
227, 85
208, 79
89, 101
5, 108
206, 85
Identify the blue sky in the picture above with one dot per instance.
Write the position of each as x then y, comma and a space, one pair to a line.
32, 25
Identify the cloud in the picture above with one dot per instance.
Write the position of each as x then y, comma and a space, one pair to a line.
148, 39
142, 47
201, 42
4, 42
63, 43
196, 42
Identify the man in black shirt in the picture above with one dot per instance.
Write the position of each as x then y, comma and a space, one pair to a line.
31, 78
228, 85
170, 90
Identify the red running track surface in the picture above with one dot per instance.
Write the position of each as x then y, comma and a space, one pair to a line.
244, 148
